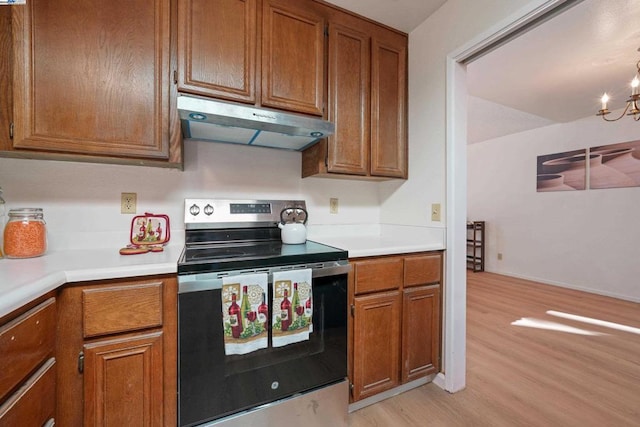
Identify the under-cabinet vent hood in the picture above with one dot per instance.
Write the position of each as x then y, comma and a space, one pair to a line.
217, 121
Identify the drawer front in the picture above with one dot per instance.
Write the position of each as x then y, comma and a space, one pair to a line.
108, 310
25, 342
34, 403
423, 269
378, 274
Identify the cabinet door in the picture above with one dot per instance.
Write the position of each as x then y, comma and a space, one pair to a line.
34, 403
93, 78
6, 96
123, 381
376, 349
25, 342
388, 109
292, 57
349, 100
420, 332
217, 48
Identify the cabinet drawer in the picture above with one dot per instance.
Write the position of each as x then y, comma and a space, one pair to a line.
121, 308
423, 269
34, 403
378, 275
25, 342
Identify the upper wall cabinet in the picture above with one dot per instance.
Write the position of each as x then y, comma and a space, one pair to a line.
367, 102
222, 54
217, 48
92, 79
388, 108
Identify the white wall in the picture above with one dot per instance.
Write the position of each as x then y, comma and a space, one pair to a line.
78, 196
450, 27
81, 198
455, 25
579, 239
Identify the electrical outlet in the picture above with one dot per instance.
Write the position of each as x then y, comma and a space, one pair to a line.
435, 212
499, 256
128, 203
333, 205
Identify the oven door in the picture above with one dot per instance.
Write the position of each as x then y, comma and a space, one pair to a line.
213, 385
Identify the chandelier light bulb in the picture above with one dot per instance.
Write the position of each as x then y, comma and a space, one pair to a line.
634, 85
604, 99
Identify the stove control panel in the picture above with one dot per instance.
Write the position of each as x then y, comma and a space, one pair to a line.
250, 208
222, 213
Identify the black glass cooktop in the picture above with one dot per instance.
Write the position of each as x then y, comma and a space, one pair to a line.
205, 258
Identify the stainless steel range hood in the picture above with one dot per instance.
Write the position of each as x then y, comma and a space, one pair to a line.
218, 121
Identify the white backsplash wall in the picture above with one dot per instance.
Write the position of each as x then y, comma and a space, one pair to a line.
81, 201
580, 239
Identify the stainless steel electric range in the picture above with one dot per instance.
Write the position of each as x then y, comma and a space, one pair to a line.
241, 360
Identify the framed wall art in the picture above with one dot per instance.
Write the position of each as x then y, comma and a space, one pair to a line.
566, 171
615, 165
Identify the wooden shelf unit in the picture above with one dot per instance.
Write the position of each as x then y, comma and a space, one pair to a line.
475, 245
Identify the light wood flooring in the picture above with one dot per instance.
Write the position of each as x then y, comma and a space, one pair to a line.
526, 376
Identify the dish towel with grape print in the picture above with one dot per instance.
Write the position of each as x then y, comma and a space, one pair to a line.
245, 313
292, 307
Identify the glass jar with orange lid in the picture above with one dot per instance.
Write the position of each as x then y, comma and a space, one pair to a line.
25, 235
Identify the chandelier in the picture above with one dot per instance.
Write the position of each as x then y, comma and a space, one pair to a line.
632, 103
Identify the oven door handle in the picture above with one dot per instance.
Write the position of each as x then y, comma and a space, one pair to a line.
209, 281
335, 270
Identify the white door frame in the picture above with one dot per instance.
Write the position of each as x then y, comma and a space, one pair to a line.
455, 290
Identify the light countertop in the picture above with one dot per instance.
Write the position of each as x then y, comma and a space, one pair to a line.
379, 239
23, 280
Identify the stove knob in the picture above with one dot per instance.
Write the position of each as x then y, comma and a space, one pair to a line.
194, 210
208, 210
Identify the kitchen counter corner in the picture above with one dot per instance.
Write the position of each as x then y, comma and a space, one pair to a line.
23, 280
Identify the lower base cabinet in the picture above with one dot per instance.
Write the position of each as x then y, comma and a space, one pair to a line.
28, 365
395, 321
376, 341
123, 381
117, 353
34, 404
420, 332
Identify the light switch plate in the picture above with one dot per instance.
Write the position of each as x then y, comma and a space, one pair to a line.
435, 212
333, 205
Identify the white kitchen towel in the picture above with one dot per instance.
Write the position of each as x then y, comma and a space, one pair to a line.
292, 307
245, 313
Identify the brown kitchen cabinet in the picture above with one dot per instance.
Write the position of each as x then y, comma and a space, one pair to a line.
264, 52
420, 332
27, 357
367, 102
217, 48
376, 342
91, 83
117, 352
394, 329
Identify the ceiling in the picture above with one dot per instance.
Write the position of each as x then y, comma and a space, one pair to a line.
557, 71
404, 15
554, 73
